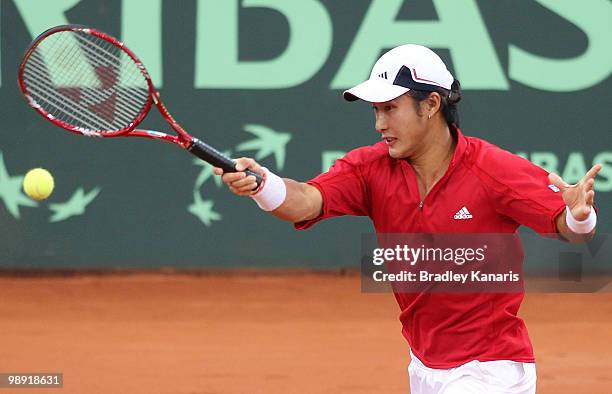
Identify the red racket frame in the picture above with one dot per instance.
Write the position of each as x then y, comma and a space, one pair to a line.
182, 139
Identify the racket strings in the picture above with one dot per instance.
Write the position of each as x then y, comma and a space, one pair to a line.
122, 114
141, 95
62, 107
58, 101
109, 68
86, 82
36, 72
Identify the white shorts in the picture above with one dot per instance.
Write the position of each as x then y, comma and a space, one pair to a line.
475, 377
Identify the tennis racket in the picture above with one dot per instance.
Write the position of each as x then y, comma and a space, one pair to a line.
90, 83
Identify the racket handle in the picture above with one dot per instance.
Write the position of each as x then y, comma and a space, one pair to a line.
218, 159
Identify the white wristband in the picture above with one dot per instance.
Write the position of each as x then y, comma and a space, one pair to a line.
581, 227
272, 193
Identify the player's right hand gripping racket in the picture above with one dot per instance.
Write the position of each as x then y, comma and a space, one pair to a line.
90, 83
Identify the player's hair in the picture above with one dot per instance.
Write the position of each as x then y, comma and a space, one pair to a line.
448, 106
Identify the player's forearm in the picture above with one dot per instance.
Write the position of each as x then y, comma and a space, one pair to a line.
284, 198
303, 202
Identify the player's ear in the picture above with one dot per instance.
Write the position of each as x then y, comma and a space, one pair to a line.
433, 102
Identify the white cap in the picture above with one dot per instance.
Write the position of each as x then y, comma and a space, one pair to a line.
399, 70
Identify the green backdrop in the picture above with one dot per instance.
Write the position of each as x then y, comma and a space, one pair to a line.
264, 78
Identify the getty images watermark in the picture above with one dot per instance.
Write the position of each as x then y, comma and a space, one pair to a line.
420, 255
490, 263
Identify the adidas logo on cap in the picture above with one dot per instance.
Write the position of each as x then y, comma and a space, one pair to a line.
463, 214
383, 75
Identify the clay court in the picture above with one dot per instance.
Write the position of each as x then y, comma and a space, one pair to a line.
257, 333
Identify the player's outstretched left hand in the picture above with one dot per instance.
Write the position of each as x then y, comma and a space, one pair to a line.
579, 197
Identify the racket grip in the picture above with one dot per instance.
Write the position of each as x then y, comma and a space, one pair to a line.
218, 159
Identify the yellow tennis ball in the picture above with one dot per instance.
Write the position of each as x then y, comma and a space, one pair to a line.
38, 183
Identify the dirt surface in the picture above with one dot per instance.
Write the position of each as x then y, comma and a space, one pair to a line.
249, 333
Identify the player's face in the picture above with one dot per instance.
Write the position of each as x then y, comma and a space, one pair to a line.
401, 126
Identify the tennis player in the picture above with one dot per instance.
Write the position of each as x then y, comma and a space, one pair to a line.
426, 176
